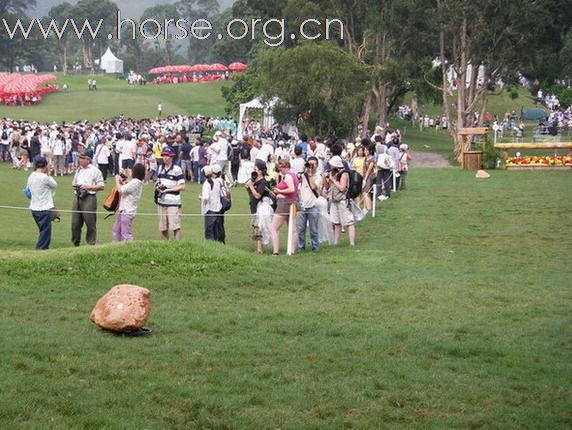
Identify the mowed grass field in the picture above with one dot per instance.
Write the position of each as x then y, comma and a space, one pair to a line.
115, 97
453, 311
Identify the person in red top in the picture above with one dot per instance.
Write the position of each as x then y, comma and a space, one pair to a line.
286, 192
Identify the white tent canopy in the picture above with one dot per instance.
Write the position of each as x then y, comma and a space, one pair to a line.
267, 108
110, 63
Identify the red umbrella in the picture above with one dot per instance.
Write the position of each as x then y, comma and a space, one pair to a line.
184, 69
156, 71
201, 67
238, 67
217, 67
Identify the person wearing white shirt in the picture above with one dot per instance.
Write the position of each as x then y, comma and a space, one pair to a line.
102, 155
266, 151
131, 192
219, 150
211, 205
128, 152
42, 202
87, 181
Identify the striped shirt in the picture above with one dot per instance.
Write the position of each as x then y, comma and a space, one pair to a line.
170, 178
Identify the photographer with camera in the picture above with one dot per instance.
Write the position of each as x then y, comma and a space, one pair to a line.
170, 183
130, 191
308, 212
258, 189
87, 181
337, 182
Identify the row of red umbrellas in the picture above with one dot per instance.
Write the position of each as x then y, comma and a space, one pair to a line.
14, 83
217, 67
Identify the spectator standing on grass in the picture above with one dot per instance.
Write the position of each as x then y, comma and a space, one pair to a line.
384, 171
369, 173
5, 143
87, 181
403, 164
41, 187
185, 157
337, 183
170, 183
211, 203
102, 155
286, 192
260, 206
131, 191
308, 213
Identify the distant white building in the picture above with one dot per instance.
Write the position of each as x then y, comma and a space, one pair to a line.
109, 63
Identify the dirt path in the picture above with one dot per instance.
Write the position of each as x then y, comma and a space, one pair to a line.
428, 159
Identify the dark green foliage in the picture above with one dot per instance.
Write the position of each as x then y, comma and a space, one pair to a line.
320, 86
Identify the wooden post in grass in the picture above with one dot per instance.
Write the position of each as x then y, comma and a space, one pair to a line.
463, 135
292, 222
374, 200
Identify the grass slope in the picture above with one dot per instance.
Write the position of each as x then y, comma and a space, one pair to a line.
452, 312
115, 97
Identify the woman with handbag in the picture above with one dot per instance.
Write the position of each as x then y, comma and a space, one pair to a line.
130, 191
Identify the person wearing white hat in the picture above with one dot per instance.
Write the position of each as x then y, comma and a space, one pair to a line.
211, 204
337, 183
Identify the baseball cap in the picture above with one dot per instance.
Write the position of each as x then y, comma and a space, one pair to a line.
216, 168
40, 162
167, 152
86, 154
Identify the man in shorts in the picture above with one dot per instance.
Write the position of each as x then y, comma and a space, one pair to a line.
170, 183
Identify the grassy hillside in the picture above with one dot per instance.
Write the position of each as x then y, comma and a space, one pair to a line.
452, 312
115, 97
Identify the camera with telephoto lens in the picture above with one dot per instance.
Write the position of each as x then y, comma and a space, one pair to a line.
253, 177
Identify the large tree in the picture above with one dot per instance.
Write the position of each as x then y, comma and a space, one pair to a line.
60, 13
320, 86
93, 11
16, 49
192, 10
490, 36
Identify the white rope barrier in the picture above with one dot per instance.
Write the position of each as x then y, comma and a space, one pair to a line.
138, 213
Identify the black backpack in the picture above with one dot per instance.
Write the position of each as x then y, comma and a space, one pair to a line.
4, 135
245, 151
356, 184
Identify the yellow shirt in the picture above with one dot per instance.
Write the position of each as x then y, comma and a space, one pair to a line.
358, 163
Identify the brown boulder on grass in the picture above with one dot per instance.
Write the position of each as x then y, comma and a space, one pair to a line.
481, 174
124, 308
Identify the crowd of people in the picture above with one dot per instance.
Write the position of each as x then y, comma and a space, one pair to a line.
314, 176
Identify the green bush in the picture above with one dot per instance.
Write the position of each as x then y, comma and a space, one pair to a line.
490, 156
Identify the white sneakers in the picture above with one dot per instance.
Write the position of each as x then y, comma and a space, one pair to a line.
382, 198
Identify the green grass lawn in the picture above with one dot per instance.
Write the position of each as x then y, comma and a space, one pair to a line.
115, 97
453, 311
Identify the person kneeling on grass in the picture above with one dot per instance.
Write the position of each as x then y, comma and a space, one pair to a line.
337, 183
130, 191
